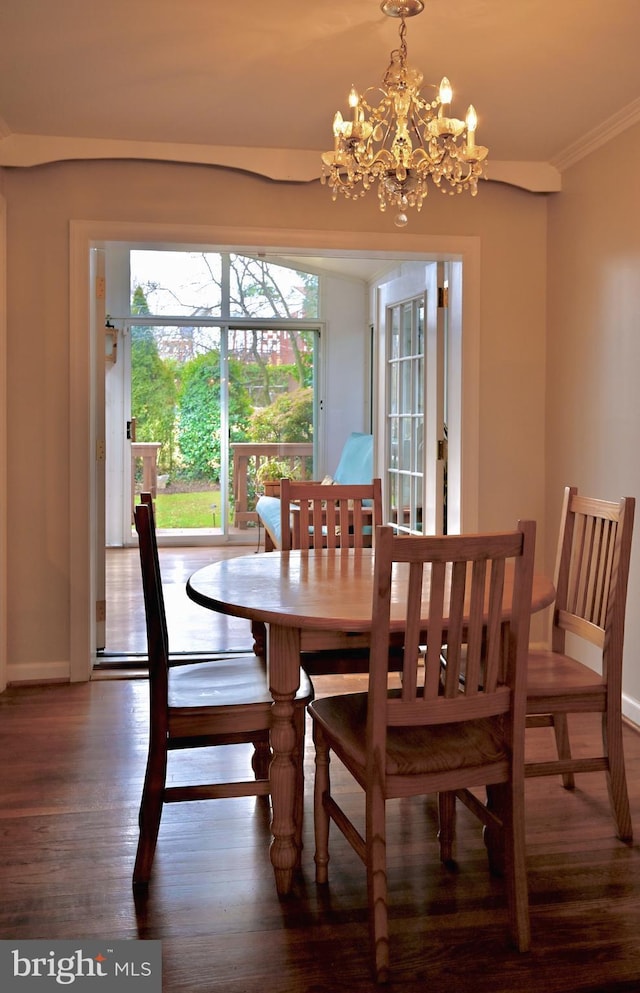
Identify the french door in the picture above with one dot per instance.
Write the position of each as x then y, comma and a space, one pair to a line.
412, 395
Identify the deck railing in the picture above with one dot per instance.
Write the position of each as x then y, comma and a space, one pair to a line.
148, 452
247, 459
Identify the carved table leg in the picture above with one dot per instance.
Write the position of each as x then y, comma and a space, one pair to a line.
284, 675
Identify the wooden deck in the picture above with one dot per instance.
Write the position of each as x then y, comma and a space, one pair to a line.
72, 765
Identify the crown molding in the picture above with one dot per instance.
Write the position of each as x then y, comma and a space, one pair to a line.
598, 136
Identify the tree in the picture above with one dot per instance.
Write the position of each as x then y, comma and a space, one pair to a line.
199, 418
289, 418
153, 388
257, 292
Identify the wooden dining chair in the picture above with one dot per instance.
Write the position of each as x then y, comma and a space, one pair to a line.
592, 570
318, 516
313, 515
432, 736
221, 701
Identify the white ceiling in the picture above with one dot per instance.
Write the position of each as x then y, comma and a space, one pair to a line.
255, 82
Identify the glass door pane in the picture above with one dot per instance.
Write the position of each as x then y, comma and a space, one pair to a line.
178, 408
214, 409
271, 414
405, 456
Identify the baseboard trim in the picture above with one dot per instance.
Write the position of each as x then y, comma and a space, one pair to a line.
38, 672
631, 709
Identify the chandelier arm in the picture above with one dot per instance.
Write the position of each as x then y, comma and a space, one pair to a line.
414, 127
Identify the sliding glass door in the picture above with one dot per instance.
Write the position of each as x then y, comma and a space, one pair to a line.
202, 392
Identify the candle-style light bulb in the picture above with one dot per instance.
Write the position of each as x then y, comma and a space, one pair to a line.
445, 94
354, 101
471, 118
471, 121
338, 129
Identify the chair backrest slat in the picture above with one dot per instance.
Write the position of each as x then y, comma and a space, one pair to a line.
494, 635
412, 647
476, 631
457, 633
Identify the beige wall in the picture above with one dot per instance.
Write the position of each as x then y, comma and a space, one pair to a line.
3, 445
510, 224
593, 351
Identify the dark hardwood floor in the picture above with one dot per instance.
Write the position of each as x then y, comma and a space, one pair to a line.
72, 764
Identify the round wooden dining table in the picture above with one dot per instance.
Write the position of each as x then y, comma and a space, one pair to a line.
321, 595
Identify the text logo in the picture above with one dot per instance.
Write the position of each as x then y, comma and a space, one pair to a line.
118, 966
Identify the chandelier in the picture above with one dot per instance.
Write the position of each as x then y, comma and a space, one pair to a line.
403, 140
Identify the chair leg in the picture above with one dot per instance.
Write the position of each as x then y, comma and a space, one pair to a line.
447, 825
150, 813
616, 776
510, 801
376, 861
298, 758
563, 746
261, 758
494, 838
322, 788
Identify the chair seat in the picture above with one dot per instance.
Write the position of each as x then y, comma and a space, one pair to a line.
551, 674
437, 748
237, 681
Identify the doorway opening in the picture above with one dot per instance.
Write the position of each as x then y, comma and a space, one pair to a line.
209, 386
347, 394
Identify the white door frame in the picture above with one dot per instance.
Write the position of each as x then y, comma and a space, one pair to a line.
97, 323
82, 360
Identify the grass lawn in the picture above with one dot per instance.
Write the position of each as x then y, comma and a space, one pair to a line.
188, 510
